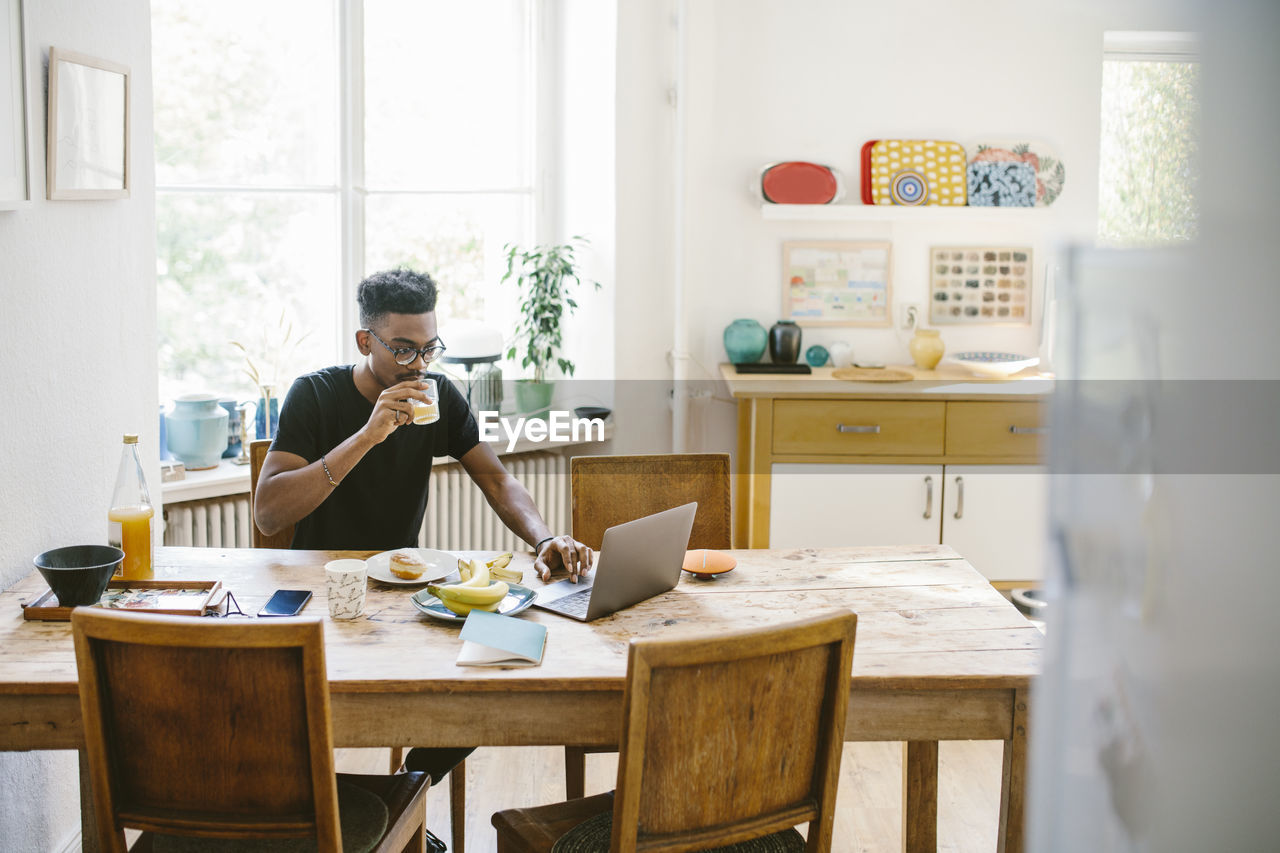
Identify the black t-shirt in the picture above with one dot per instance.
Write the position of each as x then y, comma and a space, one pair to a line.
381, 502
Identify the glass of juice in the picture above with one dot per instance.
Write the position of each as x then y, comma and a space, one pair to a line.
428, 412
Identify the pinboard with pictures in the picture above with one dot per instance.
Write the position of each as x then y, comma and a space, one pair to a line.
979, 285
837, 283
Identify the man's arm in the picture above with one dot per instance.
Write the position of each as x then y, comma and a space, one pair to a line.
513, 504
289, 489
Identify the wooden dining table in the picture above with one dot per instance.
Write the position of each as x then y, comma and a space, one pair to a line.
940, 655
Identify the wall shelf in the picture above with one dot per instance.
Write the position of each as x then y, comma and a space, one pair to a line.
895, 213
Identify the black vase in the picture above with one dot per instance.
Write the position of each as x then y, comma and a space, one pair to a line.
784, 342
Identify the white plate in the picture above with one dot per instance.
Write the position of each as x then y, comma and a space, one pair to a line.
439, 564
987, 363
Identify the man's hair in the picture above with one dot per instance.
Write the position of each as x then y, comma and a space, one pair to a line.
398, 291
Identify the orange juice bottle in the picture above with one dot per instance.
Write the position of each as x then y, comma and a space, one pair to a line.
129, 519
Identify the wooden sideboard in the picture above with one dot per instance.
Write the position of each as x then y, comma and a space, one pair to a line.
946, 458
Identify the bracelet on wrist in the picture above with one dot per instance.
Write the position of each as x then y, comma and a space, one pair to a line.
325, 466
537, 549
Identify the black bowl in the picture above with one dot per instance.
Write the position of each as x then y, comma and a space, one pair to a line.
591, 412
78, 574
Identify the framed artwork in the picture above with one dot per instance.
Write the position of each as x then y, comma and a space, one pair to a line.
979, 285
837, 283
88, 154
15, 176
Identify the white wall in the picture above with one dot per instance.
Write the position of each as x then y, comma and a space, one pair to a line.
77, 342
771, 80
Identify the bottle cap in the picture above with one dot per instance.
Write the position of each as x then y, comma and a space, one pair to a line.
130, 438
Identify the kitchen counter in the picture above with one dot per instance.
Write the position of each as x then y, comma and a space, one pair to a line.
947, 382
946, 457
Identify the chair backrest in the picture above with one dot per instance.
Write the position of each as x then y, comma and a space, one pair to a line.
733, 737
281, 539
609, 490
206, 727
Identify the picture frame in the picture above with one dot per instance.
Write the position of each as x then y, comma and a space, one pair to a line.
88, 150
988, 285
15, 153
838, 282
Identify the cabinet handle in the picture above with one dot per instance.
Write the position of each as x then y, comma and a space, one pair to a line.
872, 430
928, 497
959, 497
1017, 430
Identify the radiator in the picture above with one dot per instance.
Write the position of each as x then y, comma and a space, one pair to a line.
210, 523
458, 517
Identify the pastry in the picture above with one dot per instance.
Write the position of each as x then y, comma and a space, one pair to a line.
407, 565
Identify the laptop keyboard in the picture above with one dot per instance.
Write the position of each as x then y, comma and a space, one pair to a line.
575, 604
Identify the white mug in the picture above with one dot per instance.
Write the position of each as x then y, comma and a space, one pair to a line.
346, 581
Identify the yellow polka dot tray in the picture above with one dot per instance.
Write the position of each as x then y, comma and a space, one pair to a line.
917, 171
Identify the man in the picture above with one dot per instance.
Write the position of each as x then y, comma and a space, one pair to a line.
351, 470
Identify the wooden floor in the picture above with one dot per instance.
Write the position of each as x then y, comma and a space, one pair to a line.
868, 820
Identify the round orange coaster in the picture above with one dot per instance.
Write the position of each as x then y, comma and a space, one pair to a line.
706, 564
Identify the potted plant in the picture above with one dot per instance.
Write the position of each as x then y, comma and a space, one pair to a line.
545, 276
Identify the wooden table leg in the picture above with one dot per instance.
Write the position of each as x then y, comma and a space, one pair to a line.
88, 819
1013, 782
920, 796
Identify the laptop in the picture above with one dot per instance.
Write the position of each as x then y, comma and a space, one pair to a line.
637, 560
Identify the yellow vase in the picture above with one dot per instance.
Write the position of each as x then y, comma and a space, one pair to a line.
926, 348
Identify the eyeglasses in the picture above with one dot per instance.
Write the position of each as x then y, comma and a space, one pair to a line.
233, 609
407, 355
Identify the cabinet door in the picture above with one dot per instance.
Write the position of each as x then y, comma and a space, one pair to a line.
996, 517
824, 505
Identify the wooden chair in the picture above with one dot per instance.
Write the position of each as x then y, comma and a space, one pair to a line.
283, 539
609, 490
221, 730
725, 738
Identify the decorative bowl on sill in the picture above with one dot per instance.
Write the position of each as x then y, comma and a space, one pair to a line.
986, 363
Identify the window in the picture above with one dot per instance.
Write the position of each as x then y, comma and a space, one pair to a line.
1150, 140
283, 176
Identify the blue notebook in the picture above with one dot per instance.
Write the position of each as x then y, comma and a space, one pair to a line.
490, 639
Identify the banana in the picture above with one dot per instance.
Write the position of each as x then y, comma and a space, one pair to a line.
464, 568
479, 575
463, 609
501, 561
505, 574
465, 594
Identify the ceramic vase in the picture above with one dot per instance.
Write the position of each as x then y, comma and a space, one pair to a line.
784, 342
260, 418
233, 427
197, 431
926, 348
841, 354
745, 341
533, 398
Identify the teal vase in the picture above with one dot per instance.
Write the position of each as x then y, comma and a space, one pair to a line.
745, 341
196, 431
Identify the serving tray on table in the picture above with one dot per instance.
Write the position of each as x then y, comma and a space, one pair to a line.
174, 598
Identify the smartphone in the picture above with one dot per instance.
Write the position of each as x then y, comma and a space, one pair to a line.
286, 602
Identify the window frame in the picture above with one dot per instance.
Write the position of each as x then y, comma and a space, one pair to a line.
351, 192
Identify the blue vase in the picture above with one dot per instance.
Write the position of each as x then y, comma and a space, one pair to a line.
816, 355
197, 431
233, 427
260, 418
745, 341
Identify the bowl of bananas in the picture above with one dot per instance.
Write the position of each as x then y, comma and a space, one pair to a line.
481, 585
